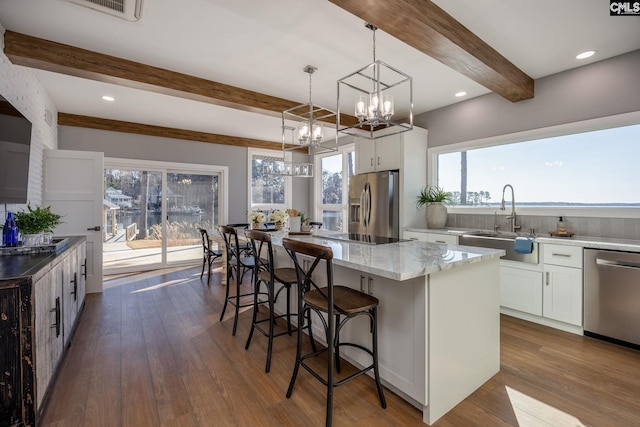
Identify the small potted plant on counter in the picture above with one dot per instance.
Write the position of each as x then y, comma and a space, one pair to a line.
434, 198
37, 224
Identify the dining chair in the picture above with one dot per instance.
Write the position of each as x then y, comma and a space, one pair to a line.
245, 247
266, 274
334, 301
208, 255
237, 261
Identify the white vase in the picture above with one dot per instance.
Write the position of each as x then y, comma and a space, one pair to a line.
294, 224
436, 215
32, 239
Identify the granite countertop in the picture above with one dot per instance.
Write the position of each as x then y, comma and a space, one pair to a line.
32, 265
583, 241
399, 261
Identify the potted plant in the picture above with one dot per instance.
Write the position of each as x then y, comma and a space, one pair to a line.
256, 217
35, 223
434, 198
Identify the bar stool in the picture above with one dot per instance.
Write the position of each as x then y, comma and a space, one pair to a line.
208, 255
238, 261
335, 301
266, 273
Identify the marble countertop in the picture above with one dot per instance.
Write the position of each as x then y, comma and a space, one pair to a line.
583, 241
399, 261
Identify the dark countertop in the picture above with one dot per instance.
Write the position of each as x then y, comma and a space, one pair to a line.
30, 265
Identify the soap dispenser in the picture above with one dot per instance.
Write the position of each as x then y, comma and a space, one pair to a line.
561, 227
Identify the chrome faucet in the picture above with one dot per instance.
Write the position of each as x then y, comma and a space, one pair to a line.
511, 217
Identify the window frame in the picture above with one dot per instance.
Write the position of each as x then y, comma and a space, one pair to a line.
251, 152
626, 119
318, 206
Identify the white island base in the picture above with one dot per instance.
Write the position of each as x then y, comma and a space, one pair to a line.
438, 318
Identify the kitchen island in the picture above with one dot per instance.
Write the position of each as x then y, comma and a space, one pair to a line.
439, 315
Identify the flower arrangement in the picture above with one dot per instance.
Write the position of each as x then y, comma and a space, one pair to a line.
278, 215
257, 216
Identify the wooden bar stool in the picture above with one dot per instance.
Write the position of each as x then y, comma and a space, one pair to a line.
265, 273
239, 262
334, 301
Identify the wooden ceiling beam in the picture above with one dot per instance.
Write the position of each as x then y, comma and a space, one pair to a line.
65, 119
424, 26
46, 55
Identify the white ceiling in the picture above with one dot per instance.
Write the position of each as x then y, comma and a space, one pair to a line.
264, 45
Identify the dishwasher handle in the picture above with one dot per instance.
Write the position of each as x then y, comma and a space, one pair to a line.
617, 263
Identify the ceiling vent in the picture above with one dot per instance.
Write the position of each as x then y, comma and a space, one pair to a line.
130, 10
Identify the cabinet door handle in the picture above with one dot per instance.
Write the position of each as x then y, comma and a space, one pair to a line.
440, 241
370, 286
84, 269
547, 278
372, 161
56, 309
361, 283
74, 292
378, 160
562, 255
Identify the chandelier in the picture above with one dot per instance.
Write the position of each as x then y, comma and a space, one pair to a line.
283, 167
374, 88
309, 121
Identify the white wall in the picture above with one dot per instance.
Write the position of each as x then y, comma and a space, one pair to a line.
22, 89
600, 89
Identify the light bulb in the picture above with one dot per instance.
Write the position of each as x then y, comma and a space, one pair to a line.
361, 108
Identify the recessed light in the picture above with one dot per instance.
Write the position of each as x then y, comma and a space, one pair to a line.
461, 93
585, 55
108, 98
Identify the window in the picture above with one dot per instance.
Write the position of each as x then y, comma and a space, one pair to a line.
332, 188
267, 191
584, 168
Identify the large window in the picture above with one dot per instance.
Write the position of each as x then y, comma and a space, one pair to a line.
592, 168
332, 186
267, 191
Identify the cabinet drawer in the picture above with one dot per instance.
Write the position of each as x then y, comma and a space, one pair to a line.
568, 256
414, 235
449, 239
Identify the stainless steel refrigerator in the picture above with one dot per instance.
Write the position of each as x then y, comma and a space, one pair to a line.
373, 204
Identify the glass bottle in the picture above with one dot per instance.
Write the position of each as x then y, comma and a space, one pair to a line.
561, 227
10, 231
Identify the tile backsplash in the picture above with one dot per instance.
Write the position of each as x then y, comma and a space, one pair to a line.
616, 228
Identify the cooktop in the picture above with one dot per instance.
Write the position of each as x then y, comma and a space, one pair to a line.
362, 238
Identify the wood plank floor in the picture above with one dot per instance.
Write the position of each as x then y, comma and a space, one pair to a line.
150, 351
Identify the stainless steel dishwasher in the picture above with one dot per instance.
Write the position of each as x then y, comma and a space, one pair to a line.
612, 296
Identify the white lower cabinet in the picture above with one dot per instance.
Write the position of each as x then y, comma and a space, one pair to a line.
521, 290
550, 292
563, 294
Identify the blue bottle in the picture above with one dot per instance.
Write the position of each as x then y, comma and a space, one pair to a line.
10, 231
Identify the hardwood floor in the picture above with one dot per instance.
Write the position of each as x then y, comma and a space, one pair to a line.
150, 351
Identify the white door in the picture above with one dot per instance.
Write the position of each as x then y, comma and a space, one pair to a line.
73, 182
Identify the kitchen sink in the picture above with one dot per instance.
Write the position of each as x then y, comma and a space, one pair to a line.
499, 240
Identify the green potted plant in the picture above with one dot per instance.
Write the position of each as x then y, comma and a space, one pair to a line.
434, 198
35, 222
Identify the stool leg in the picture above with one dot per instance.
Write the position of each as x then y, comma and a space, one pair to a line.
209, 271
255, 314
237, 310
330, 363
376, 371
204, 259
288, 309
226, 296
294, 375
270, 292
337, 344
313, 341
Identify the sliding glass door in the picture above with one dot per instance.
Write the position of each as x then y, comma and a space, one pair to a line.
152, 214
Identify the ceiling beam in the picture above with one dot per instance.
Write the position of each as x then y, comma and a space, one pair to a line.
75, 120
46, 55
429, 29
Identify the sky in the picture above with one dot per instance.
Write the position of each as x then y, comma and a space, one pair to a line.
594, 167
